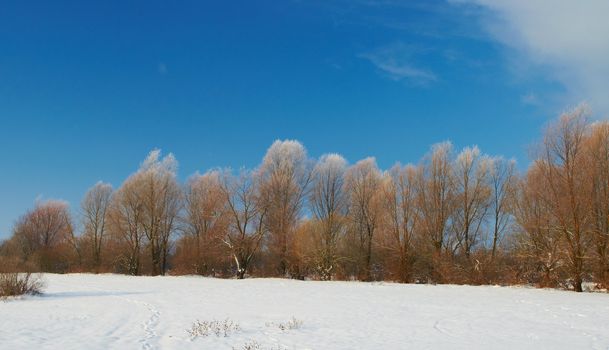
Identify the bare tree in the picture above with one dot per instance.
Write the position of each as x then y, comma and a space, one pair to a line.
598, 152
160, 197
40, 231
94, 210
568, 188
247, 216
364, 183
125, 223
400, 207
502, 179
537, 243
328, 202
284, 178
472, 194
206, 217
436, 200
326, 219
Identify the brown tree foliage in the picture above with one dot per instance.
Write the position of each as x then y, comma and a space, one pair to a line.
201, 249
567, 188
401, 218
125, 228
43, 236
598, 161
536, 244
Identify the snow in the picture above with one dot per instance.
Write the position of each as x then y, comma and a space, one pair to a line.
121, 312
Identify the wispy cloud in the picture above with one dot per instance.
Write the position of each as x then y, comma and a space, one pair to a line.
568, 41
396, 62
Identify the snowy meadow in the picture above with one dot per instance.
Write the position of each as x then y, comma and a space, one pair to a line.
79, 311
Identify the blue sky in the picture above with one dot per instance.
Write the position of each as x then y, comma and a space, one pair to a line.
88, 89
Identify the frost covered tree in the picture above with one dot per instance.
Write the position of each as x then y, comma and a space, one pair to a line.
399, 198
471, 197
435, 192
125, 224
329, 203
161, 203
94, 214
363, 181
284, 177
206, 219
247, 215
453, 218
145, 211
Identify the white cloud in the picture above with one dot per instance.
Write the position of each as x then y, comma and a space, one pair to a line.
396, 63
569, 40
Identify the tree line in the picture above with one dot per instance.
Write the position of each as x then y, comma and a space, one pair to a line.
455, 217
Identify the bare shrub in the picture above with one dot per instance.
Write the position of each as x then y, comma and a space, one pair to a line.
251, 345
294, 323
278, 347
13, 284
254, 345
214, 327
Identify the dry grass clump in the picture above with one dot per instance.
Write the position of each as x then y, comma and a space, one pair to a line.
16, 283
294, 323
217, 328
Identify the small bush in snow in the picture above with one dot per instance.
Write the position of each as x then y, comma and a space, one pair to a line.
250, 345
254, 345
278, 347
13, 284
294, 323
217, 328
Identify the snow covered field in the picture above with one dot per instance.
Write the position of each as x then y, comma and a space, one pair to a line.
121, 312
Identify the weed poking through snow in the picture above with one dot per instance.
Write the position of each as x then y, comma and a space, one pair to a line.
254, 345
250, 345
294, 323
14, 284
217, 328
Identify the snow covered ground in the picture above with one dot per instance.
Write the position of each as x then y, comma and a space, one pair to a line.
120, 312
